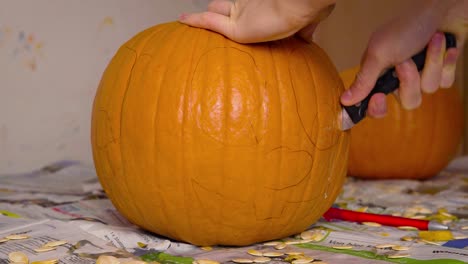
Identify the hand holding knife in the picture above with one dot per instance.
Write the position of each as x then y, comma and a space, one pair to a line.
387, 83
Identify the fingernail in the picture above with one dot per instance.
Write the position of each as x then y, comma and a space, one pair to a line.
448, 70
347, 95
382, 109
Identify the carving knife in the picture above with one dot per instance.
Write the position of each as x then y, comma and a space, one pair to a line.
387, 83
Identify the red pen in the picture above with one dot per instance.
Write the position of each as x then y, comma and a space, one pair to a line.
388, 220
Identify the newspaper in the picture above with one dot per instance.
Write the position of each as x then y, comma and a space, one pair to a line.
63, 177
38, 198
444, 198
80, 246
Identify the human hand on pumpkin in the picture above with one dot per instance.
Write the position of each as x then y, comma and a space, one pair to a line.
249, 21
395, 42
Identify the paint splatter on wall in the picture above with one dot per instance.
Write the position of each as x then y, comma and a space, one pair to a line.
105, 23
23, 46
106, 32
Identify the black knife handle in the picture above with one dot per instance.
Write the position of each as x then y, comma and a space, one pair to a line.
389, 82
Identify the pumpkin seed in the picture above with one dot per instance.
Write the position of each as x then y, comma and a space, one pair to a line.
207, 248
261, 259
407, 238
17, 237
342, 247
464, 228
141, 245
295, 242
206, 261
55, 243
302, 260
271, 243
409, 215
362, 209
418, 217
312, 235
44, 249
17, 256
408, 228
447, 214
280, 246
49, 261
424, 210
307, 234
429, 242
242, 260
460, 237
2, 240
447, 221
318, 236
381, 246
395, 256
371, 224
293, 253
290, 258
254, 252
103, 259
320, 262
400, 248
273, 254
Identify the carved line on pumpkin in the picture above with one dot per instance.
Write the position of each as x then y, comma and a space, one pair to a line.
214, 216
302, 178
297, 104
214, 212
316, 116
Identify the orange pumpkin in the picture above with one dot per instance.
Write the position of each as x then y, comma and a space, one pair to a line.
204, 140
411, 144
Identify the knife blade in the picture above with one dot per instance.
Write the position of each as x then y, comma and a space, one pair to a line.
386, 83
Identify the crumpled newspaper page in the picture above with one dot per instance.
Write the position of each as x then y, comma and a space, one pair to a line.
93, 218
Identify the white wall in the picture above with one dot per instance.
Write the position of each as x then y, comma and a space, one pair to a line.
52, 54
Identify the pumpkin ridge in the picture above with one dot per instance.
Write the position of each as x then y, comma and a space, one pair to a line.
122, 113
136, 208
143, 44
168, 50
187, 188
95, 118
